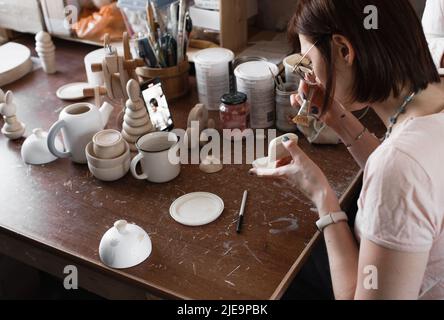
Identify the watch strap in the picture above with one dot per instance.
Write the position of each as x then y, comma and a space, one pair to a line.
331, 218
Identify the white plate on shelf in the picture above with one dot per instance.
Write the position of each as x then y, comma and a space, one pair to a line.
197, 209
72, 91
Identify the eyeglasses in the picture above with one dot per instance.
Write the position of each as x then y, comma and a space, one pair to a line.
304, 67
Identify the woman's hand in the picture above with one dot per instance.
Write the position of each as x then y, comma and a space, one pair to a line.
301, 172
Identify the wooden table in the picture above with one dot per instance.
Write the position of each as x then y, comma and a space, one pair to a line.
54, 215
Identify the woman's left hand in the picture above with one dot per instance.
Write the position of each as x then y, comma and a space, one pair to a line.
301, 172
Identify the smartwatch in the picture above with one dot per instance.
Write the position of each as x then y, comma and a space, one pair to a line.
331, 218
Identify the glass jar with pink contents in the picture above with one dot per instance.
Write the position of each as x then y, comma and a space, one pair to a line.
234, 111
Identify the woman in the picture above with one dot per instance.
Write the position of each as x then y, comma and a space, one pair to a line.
400, 220
433, 22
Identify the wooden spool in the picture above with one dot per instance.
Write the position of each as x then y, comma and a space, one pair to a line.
90, 92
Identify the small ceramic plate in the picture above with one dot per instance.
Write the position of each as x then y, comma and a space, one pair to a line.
197, 209
72, 91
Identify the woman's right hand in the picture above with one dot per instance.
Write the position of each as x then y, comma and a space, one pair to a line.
299, 171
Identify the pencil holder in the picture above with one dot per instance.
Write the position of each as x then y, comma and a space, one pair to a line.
174, 80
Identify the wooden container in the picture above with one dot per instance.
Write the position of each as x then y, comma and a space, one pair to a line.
174, 80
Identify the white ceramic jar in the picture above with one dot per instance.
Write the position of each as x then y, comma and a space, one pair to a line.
212, 73
256, 80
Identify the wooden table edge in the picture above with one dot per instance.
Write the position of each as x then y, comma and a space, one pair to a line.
115, 274
345, 202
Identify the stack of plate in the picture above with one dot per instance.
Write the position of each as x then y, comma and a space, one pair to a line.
15, 62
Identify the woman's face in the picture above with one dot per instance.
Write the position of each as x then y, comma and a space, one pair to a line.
343, 73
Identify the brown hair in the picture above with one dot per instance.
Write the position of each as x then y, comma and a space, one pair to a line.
387, 59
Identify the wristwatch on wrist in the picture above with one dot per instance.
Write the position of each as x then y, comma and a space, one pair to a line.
331, 218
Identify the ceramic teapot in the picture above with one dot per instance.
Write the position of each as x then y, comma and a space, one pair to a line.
78, 123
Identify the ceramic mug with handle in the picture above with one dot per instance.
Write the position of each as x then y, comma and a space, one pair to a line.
158, 156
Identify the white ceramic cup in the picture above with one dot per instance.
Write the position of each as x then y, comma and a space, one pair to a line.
108, 144
158, 156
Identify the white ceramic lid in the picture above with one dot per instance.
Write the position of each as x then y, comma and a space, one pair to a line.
72, 91
35, 148
256, 70
197, 209
13, 55
125, 246
214, 56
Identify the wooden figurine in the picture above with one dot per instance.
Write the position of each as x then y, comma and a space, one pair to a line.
13, 129
118, 70
136, 121
46, 50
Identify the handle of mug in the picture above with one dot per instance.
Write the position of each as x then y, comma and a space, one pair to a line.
134, 164
52, 135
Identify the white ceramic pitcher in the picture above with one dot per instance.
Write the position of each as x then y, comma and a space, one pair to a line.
78, 123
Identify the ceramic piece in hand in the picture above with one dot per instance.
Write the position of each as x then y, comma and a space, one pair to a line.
108, 144
276, 151
35, 148
125, 246
108, 169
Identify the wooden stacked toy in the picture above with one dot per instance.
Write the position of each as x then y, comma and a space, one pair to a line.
46, 50
13, 129
137, 122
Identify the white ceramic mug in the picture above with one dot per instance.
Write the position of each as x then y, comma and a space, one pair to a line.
158, 156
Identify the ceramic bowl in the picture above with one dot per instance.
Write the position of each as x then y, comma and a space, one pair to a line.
108, 144
98, 163
124, 246
111, 174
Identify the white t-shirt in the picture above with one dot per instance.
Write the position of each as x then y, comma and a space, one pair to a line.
402, 201
433, 23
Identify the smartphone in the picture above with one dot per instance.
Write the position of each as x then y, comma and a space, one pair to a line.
157, 105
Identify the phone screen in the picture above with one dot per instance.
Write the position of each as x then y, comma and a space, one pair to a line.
157, 106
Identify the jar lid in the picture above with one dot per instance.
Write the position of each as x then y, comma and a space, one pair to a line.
256, 70
234, 98
214, 56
